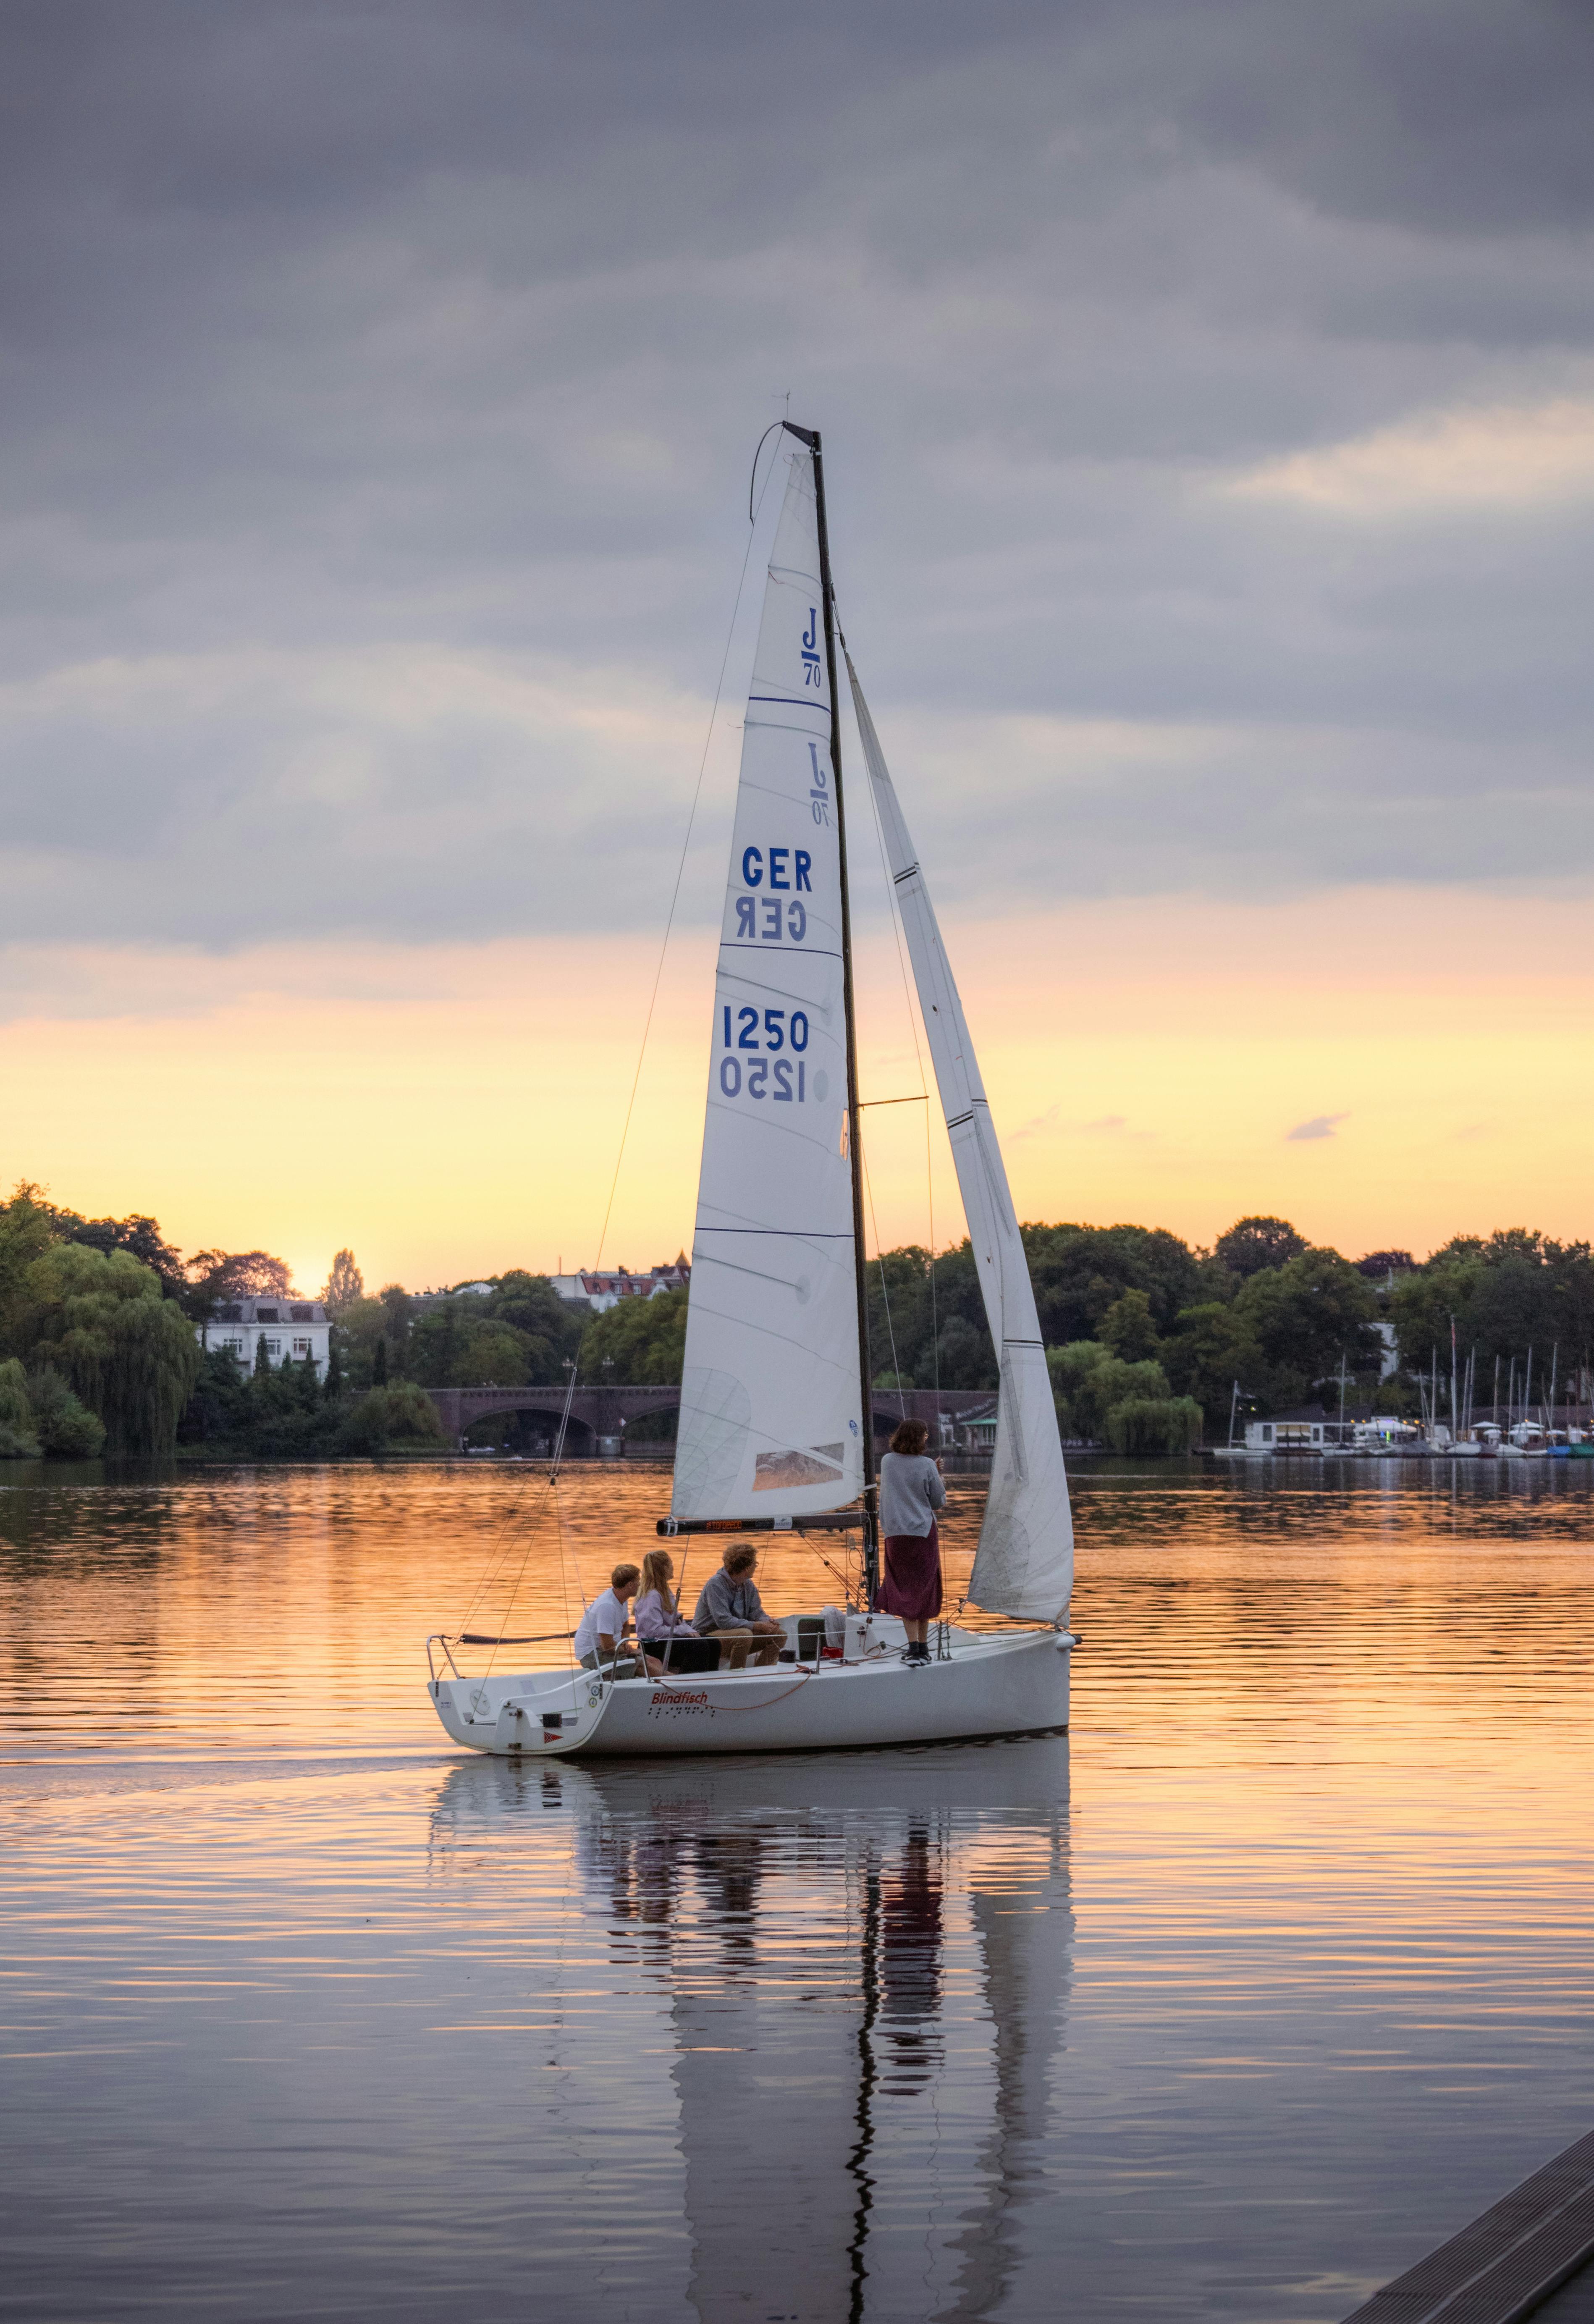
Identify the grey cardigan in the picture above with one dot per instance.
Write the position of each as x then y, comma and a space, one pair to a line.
911, 1491
726, 1603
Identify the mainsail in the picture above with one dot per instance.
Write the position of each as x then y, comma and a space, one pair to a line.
772, 1402
1024, 1562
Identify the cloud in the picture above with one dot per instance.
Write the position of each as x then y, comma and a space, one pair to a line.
1504, 459
1039, 1125
381, 389
1052, 1124
1322, 1125
219, 799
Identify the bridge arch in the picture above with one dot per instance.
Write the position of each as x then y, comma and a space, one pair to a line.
598, 1412
594, 1412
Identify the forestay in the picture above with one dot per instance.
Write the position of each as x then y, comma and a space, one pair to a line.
1024, 1562
772, 1408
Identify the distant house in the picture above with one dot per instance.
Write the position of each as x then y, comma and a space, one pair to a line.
601, 1290
1283, 1435
420, 1299
290, 1330
974, 1432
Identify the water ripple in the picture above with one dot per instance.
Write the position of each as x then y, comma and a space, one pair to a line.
1226, 2005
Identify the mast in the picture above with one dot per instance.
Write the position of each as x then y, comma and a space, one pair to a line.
810, 436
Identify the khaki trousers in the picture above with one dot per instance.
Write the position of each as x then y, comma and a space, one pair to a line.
736, 1644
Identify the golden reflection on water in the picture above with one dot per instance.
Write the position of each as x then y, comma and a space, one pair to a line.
1229, 2004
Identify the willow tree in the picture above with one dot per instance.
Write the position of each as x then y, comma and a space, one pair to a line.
130, 1354
19, 1439
28, 1226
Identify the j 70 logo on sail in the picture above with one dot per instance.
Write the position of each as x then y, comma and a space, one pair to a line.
812, 675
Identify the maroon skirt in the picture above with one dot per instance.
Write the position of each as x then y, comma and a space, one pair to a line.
911, 1589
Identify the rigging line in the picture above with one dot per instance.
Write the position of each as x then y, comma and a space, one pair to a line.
496, 1563
564, 1574
754, 471
501, 1551
553, 1474
530, 1540
501, 1565
551, 1493
935, 1319
570, 1395
865, 1104
844, 1579
880, 1262
498, 1554
681, 866
880, 836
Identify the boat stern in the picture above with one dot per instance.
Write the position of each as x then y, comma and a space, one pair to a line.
536, 1714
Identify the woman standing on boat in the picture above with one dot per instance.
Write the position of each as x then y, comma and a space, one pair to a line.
911, 1491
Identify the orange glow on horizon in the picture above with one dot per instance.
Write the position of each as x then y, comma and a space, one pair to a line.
456, 1111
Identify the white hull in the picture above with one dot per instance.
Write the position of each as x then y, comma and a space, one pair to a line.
1011, 1682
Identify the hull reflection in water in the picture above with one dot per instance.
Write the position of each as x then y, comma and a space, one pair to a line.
861, 1968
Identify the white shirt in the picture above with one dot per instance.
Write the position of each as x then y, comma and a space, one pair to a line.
606, 1613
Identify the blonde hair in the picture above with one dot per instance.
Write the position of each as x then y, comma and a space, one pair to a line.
657, 1566
740, 1557
621, 1574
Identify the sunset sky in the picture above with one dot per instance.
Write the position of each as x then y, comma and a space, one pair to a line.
1208, 399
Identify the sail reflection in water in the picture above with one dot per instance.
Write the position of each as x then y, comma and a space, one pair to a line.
857, 1972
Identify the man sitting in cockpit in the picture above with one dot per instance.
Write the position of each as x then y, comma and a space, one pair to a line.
730, 1610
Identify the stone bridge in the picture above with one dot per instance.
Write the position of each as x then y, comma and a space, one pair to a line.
600, 1412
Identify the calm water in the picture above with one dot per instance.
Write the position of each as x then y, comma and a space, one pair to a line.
1229, 2004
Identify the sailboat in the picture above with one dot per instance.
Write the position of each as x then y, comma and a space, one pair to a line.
775, 1429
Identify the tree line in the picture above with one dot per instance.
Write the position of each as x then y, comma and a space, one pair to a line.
98, 1351
1147, 1336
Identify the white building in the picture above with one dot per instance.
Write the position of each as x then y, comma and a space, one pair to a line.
1283, 1435
971, 1432
290, 1329
604, 1290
